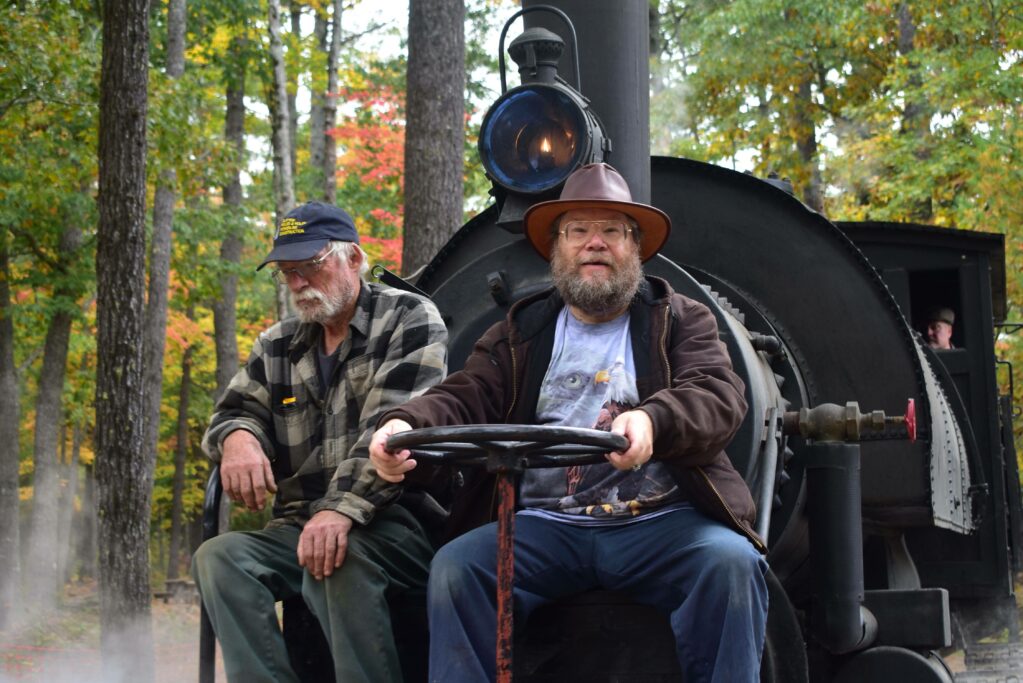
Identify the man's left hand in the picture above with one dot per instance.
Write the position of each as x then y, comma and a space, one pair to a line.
634, 425
324, 542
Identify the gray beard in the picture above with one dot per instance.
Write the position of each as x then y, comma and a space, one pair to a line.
329, 308
597, 298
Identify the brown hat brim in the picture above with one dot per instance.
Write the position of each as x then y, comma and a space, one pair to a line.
654, 223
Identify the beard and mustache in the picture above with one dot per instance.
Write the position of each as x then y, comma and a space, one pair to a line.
328, 304
597, 297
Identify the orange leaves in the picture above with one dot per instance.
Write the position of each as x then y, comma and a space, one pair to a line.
385, 252
182, 332
387, 217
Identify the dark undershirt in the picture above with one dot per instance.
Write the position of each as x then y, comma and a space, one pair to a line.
326, 363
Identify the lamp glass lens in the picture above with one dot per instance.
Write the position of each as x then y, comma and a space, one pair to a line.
533, 138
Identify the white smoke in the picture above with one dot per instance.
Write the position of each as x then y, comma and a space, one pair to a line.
64, 648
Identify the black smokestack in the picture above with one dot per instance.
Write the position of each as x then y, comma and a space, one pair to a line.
614, 45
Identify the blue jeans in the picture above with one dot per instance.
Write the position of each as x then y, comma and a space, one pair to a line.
707, 578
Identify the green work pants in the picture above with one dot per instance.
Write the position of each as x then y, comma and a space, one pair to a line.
241, 574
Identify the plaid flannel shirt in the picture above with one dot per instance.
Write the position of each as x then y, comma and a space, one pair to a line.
317, 441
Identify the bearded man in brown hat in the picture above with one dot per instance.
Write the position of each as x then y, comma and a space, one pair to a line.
667, 520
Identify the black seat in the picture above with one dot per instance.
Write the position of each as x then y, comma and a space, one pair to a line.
596, 636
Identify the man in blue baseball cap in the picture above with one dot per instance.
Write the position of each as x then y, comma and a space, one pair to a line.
296, 421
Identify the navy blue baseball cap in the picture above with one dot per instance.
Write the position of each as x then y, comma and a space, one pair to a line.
307, 229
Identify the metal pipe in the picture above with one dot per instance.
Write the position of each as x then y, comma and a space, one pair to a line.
839, 621
505, 573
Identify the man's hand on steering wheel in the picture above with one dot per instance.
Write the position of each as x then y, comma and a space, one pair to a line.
390, 466
634, 425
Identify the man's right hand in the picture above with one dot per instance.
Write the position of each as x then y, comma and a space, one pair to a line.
245, 471
390, 466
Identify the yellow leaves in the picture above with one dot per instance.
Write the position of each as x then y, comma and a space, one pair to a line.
86, 456
221, 39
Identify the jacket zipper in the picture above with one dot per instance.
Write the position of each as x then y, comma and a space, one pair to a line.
664, 347
515, 381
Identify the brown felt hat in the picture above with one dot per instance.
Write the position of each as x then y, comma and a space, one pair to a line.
597, 186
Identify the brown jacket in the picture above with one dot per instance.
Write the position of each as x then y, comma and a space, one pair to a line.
683, 374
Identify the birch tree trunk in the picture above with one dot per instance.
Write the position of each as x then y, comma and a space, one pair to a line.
292, 87
434, 134
124, 476
10, 533
330, 109
284, 181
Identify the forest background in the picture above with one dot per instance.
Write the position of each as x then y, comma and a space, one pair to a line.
883, 110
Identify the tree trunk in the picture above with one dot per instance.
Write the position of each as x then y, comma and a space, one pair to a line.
296, 40
224, 315
176, 23
44, 541
284, 183
69, 468
330, 109
434, 134
124, 476
180, 454
916, 115
806, 143
87, 527
317, 136
155, 334
10, 533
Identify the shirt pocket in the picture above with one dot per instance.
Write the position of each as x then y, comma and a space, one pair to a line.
296, 421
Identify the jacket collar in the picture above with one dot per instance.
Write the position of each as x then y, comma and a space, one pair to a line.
530, 315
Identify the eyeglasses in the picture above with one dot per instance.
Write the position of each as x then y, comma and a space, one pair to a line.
578, 233
305, 271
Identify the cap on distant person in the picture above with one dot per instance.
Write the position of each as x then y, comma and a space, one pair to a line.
944, 314
307, 229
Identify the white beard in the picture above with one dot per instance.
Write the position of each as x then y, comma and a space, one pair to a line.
328, 306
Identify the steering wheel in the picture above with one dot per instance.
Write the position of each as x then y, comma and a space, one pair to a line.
509, 446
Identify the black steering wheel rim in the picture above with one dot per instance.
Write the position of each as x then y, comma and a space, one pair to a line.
530, 445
